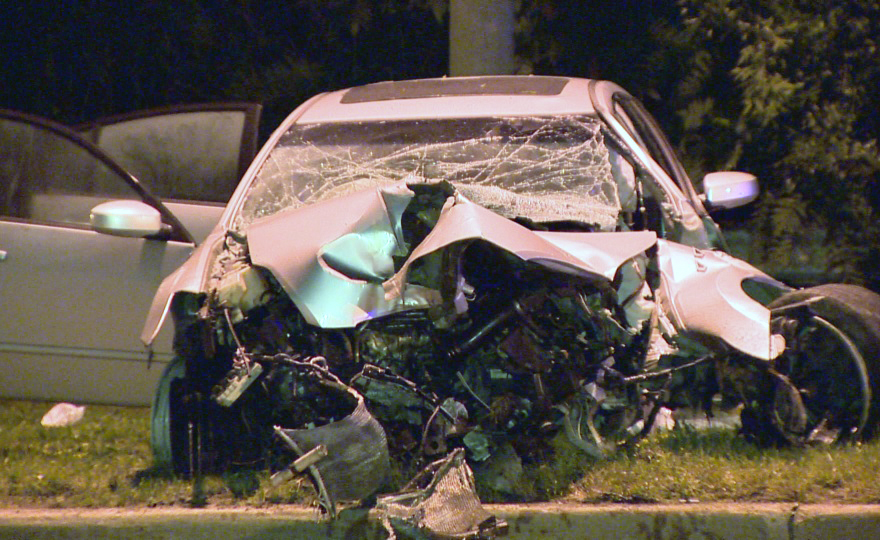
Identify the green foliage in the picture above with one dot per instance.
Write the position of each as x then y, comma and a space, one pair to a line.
608, 39
786, 89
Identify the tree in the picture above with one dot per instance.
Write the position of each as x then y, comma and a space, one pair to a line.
481, 36
787, 89
76, 61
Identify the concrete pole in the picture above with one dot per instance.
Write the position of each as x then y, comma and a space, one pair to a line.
481, 37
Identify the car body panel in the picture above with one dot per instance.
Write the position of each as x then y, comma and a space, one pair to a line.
188, 277
470, 97
68, 295
72, 299
366, 236
703, 295
199, 218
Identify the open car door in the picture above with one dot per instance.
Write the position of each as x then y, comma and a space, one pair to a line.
185, 155
73, 300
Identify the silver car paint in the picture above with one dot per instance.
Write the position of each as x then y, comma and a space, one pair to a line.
680, 209
70, 298
701, 292
73, 277
742, 323
192, 275
332, 296
701, 288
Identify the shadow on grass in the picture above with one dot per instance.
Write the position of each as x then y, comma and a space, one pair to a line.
241, 482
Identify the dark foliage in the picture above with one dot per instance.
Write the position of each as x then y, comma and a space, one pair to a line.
75, 61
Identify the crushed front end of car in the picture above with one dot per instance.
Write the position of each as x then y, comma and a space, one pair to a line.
422, 324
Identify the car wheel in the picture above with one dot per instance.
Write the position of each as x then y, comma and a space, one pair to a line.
166, 430
825, 384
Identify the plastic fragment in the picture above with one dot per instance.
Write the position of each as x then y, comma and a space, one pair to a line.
237, 381
63, 414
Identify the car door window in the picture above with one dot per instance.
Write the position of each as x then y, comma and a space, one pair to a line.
193, 153
49, 177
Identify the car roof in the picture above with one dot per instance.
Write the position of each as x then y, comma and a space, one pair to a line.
452, 97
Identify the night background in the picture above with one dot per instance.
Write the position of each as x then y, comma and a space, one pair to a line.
784, 89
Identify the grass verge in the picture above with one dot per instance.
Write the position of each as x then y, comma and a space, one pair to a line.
105, 461
686, 465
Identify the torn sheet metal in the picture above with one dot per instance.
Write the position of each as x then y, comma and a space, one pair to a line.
338, 271
342, 251
446, 507
189, 277
703, 290
582, 254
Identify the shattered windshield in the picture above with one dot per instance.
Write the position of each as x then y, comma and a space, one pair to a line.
541, 168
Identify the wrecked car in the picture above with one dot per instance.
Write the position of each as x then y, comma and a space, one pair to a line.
455, 271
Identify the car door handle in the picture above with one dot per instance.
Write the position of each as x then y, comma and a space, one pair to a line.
2, 255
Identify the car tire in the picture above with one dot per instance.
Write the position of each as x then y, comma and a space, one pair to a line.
165, 429
826, 385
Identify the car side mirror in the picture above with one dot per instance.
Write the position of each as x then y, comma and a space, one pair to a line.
127, 218
729, 189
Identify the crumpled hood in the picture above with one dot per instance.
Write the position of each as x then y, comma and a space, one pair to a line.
335, 258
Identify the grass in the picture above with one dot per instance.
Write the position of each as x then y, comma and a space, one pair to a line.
716, 465
105, 461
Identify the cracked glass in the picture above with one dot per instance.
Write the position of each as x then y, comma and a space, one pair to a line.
541, 168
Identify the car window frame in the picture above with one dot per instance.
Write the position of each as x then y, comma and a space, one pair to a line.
177, 233
644, 128
249, 142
